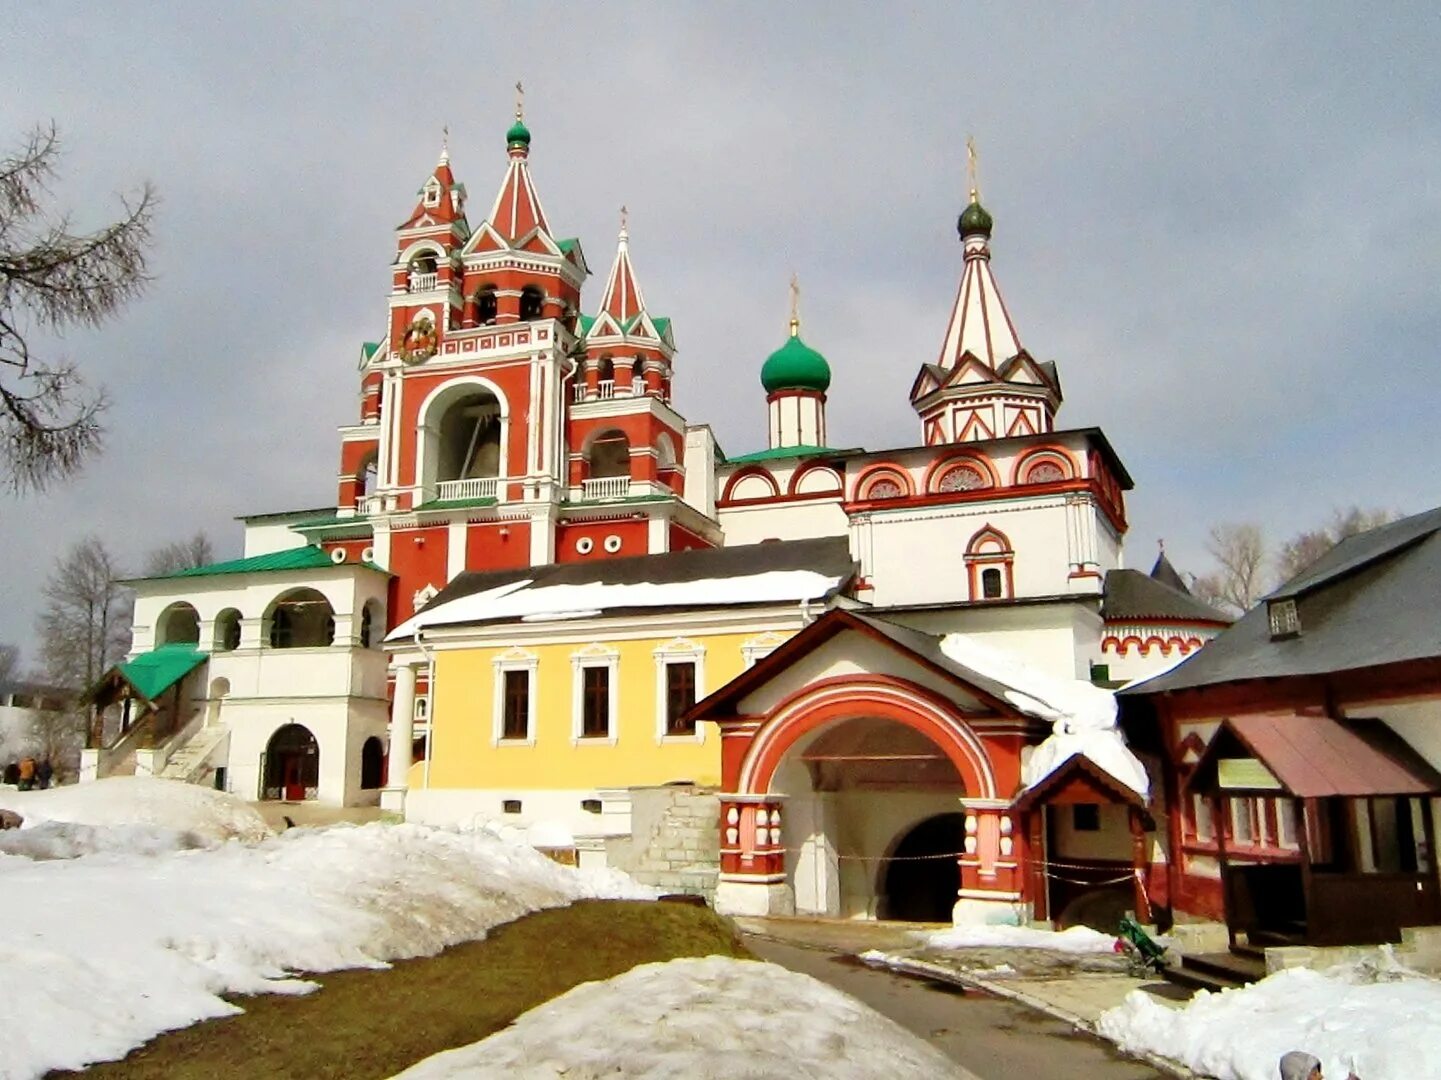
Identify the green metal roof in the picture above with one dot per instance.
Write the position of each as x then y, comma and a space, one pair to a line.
518, 134
795, 366
453, 504
567, 245
155, 672
300, 558
369, 348
586, 322
780, 452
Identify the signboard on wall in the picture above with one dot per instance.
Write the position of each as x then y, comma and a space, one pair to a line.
1245, 774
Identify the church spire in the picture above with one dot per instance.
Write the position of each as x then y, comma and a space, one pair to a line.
440, 199
622, 299
980, 323
517, 207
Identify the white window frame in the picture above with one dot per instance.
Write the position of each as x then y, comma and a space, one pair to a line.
677, 651
594, 656
758, 648
513, 660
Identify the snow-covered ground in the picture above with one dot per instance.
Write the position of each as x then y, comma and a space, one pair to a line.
145, 930
1076, 940
142, 800
1382, 1023
712, 1017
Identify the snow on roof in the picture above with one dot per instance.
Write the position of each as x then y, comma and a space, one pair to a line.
696, 1018
531, 601
1082, 716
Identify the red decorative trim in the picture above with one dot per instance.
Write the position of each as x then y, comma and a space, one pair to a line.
1058, 455
886, 697
745, 471
805, 470
891, 471
984, 465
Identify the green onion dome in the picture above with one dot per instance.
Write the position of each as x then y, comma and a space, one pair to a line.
795, 366
518, 135
974, 219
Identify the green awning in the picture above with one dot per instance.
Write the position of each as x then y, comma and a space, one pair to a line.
153, 673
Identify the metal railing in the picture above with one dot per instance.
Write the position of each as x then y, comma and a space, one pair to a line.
606, 487
483, 487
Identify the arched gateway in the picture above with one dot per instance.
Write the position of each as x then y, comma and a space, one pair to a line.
825, 775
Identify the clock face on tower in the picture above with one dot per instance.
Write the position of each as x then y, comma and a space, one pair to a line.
420, 341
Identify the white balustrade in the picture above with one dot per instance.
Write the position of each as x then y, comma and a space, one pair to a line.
482, 487
606, 487
423, 282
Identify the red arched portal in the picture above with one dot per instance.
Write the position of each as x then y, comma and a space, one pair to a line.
846, 697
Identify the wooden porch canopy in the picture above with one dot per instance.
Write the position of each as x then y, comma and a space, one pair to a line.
1329, 767
1311, 757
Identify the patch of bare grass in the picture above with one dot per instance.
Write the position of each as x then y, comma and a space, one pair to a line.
373, 1024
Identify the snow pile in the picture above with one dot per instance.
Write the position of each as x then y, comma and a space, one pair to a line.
112, 949
714, 1017
1076, 940
1382, 1024
67, 840
518, 600
1082, 716
211, 815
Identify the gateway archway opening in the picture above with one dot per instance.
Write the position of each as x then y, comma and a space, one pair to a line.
850, 789
292, 765
923, 875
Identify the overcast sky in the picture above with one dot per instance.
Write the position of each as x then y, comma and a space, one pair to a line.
1222, 223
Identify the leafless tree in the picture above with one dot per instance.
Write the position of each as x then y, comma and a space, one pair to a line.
1305, 548
9, 663
84, 625
1239, 579
180, 555
53, 278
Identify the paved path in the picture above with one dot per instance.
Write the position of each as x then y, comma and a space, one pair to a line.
993, 1038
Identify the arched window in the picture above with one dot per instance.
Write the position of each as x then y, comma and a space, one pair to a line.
423, 275
372, 764
485, 305
470, 438
372, 625
365, 476
532, 300
301, 619
610, 455
606, 369
227, 630
179, 624
990, 564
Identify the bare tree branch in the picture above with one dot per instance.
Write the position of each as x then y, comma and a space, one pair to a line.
52, 278
180, 555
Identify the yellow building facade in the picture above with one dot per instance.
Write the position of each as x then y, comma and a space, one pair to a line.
564, 768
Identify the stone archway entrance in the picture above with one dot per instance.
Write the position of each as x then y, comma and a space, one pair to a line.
292, 765
849, 790
923, 877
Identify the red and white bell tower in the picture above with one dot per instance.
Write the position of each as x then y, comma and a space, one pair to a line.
499, 427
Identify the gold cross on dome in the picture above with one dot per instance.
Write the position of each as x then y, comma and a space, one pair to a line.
795, 305
624, 218
971, 168
519, 100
